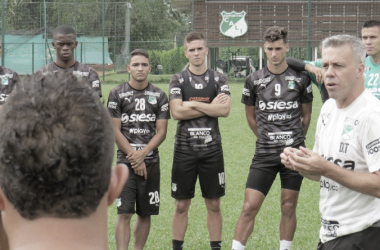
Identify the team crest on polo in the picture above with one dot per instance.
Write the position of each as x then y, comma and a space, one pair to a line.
348, 132
233, 24
291, 85
152, 100
4, 81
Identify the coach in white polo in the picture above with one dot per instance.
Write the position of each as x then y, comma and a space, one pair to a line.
346, 157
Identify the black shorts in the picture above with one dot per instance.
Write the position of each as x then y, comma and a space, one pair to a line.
263, 172
188, 164
144, 193
368, 239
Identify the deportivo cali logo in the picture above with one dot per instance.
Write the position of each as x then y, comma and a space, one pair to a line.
233, 24
348, 132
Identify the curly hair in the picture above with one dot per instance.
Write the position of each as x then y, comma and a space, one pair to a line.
56, 147
65, 30
138, 52
275, 33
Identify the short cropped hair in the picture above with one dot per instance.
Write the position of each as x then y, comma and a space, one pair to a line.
138, 52
65, 30
275, 33
371, 23
193, 36
357, 46
56, 147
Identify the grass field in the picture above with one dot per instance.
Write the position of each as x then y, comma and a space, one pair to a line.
239, 146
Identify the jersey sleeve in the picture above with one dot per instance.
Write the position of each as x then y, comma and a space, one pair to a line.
307, 92
163, 107
113, 104
248, 96
175, 91
295, 64
223, 85
94, 80
370, 135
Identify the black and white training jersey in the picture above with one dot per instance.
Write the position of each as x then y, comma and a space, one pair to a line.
203, 131
278, 100
138, 111
9, 79
80, 70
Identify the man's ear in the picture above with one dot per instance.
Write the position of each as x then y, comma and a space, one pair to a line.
119, 176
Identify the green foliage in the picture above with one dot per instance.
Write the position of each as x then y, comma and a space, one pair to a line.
173, 60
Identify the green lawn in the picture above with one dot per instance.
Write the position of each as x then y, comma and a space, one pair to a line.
239, 147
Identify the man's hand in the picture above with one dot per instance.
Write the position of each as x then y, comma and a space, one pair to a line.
141, 170
303, 160
136, 158
316, 71
220, 99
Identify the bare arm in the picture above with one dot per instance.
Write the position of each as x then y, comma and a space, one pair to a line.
182, 112
251, 118
306, 116
314, 164
219, 107
316, 71
120, 139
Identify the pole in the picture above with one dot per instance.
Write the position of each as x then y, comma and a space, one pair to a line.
103, 39
2, 29
192, 11
309, 32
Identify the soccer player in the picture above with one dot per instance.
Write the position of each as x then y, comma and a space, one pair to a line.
56, 151
9, 79
371, 40
278, 103
345, 159
64, 43
198, 96
140, 113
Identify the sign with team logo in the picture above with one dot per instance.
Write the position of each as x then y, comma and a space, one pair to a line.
233, 24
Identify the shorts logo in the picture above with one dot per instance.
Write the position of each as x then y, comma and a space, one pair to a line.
216, 79
118, 202
152, 100
175, 91
291, 85
165, 107
174, 187
4, 81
